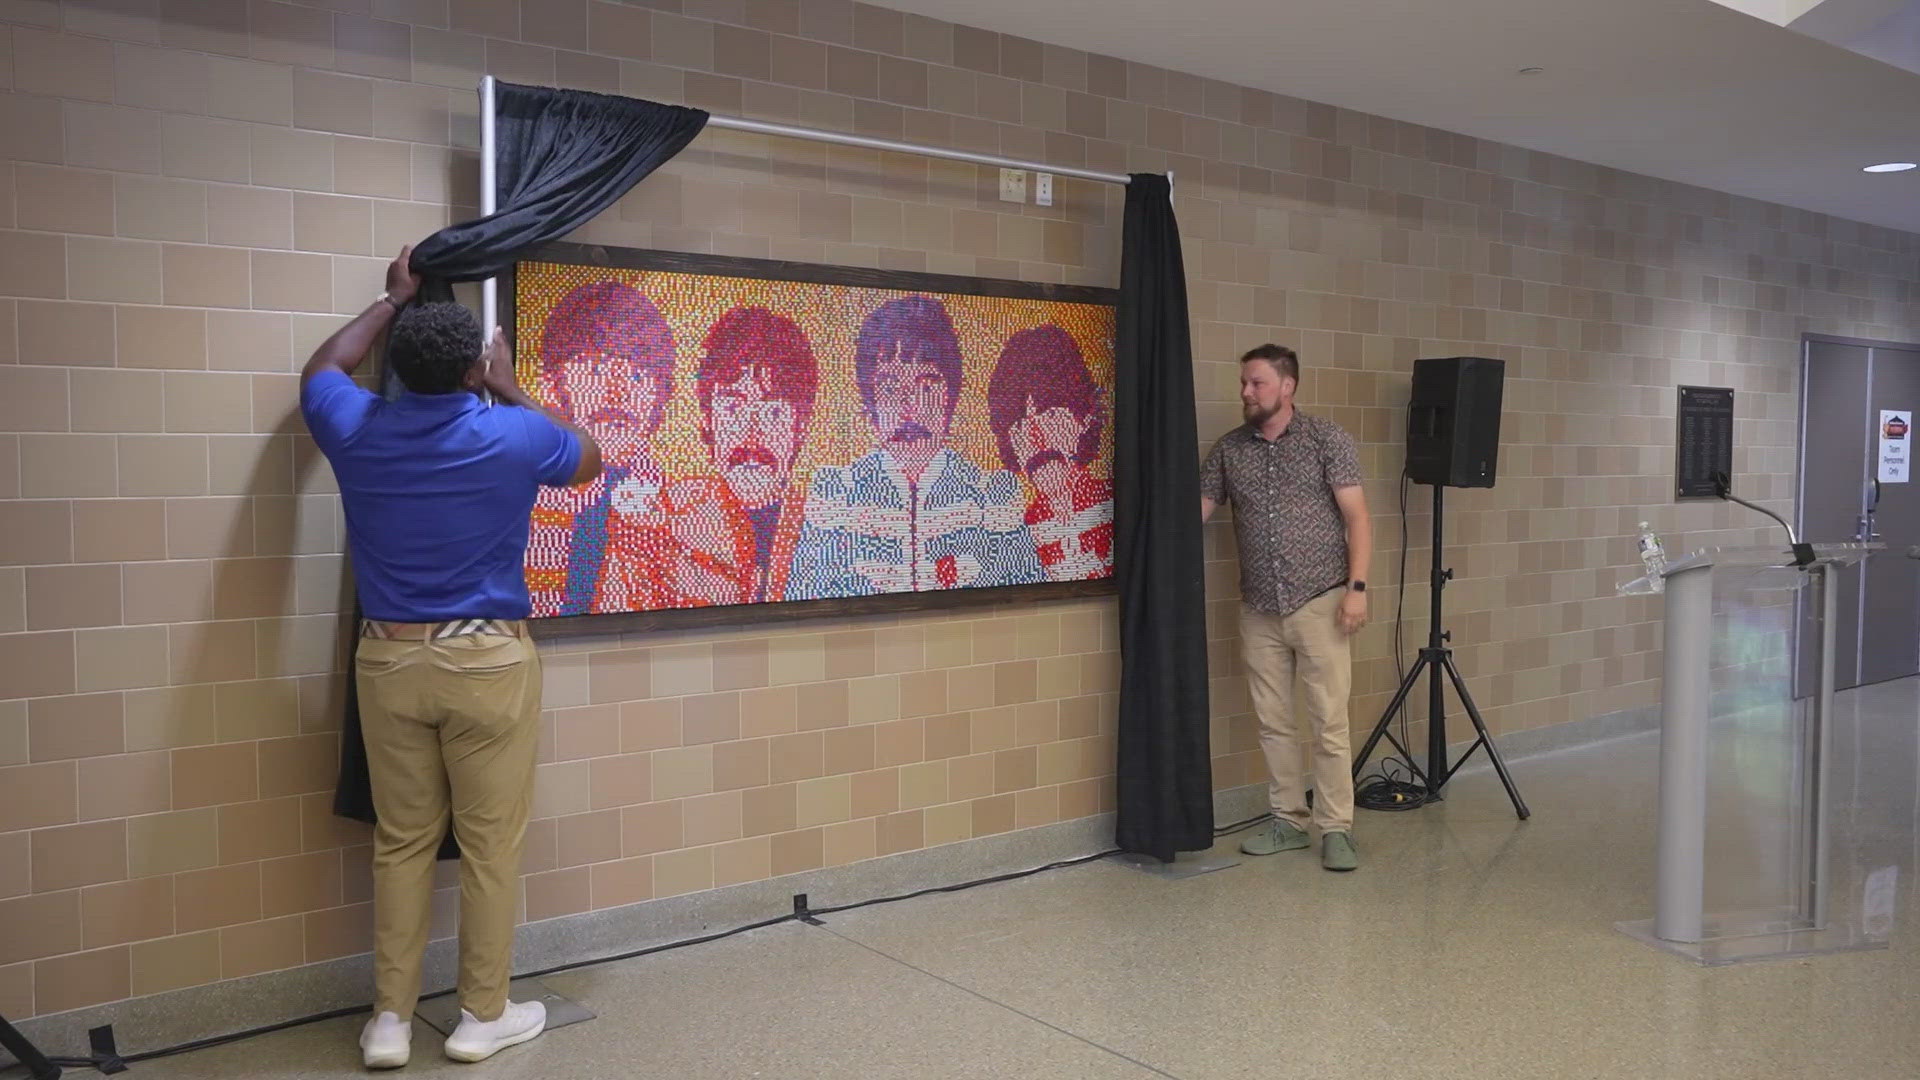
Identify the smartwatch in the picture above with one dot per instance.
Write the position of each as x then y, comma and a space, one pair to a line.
1357, 586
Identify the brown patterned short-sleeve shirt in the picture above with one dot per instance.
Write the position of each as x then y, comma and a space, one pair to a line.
1293, 540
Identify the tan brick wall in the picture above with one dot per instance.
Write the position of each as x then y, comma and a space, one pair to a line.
191, 203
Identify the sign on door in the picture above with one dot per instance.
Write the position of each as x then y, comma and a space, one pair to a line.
1896, 428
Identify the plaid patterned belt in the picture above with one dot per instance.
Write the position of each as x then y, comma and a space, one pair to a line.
413, 631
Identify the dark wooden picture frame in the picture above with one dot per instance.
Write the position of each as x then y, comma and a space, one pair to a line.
787, 611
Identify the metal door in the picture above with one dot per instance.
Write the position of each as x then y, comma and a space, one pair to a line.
1845, 387
1889, 624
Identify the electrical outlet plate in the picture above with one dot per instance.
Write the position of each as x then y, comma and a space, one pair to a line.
1013, 185
1043, 189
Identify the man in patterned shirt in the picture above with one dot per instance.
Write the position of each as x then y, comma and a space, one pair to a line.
1305, 542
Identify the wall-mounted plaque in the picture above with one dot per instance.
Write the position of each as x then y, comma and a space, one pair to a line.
1703, 440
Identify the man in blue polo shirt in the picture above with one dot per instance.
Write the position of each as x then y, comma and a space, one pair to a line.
439, 487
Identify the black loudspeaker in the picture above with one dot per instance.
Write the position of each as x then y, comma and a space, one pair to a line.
1453, 421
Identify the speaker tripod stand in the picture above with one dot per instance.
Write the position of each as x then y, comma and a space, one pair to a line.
1436, 661
24, 1052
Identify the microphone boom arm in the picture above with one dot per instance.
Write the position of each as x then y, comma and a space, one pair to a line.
1802, 553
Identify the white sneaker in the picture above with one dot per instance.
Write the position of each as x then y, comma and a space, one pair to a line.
386, 1042
477, 1041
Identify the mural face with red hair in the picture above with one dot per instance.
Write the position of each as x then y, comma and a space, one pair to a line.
609, 352
1044, 407
1047, 414
756, 387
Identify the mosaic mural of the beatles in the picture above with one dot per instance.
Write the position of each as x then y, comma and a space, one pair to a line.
771, 440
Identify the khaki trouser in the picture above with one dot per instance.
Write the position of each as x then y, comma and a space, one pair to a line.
452, 730
1308, 647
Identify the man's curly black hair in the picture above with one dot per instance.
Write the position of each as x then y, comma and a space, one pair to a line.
433, 346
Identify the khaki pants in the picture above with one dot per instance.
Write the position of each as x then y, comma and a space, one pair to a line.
1306, 647
452, 730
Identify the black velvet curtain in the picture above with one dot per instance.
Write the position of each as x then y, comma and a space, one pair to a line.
1165, 772
562, 156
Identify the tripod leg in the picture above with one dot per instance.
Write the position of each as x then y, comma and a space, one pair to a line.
1486, 739
38, 1067
1386, 718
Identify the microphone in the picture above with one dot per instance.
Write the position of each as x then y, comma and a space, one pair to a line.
1723, 487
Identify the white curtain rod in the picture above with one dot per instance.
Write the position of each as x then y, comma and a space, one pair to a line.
489, 302
489, 200
735, 123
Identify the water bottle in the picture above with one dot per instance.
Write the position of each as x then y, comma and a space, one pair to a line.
1653, 557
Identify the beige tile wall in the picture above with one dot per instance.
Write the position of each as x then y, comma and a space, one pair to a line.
193, 194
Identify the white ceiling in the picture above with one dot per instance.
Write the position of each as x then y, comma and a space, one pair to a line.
1886, 30
1687, 90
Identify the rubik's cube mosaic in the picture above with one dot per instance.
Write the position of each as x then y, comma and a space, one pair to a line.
769, 441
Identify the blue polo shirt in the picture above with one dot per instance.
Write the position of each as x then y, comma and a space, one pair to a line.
439, 491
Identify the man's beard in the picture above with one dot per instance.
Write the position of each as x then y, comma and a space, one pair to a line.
1256, 414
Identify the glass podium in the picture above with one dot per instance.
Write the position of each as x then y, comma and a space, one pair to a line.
1751, 864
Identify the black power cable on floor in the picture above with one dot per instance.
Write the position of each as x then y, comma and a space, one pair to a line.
1392, 787
801, 913
1228, 830
1388, 790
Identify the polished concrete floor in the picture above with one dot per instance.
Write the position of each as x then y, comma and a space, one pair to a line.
1468, 945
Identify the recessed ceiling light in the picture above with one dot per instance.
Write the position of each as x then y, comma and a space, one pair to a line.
1531, 70
1891, 166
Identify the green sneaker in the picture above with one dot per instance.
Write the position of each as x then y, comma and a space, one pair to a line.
1336, 852
1275, 837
